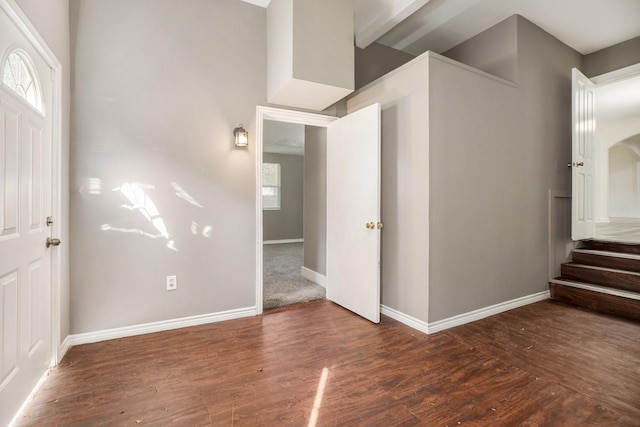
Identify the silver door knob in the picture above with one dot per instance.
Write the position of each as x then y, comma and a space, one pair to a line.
53, 242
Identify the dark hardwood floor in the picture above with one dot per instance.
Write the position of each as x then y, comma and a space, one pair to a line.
544, 364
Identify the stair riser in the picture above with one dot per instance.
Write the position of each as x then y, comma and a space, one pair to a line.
611, 247
603, 303
612, 279
607, 261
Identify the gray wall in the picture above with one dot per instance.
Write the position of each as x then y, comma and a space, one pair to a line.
286, 223
158, 87
156, 93
494, 150
478, 193
612, 58
506, 251
495, 50
375, 61
315, 199
51, 20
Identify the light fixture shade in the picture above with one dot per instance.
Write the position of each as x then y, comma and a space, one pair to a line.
241, 136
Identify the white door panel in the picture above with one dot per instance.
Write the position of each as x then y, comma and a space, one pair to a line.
25, 202
582, 159
353, 201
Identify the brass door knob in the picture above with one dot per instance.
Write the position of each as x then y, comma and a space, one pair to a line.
380, 225
371, 225
53, 242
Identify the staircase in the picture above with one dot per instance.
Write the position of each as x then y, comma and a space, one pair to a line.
602, 276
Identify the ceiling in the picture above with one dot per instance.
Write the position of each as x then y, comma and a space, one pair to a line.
438, 25
619, 101
283, 138
415, 26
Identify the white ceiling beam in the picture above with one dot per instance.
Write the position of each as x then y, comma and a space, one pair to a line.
372, 22
439, 16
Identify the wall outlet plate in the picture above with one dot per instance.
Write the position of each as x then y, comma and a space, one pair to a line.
172, 283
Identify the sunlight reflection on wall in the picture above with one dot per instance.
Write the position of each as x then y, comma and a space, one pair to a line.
184, 195
92, 186
141, 202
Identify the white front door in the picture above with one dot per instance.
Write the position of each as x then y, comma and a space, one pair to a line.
25, 203
353, 212
583, 223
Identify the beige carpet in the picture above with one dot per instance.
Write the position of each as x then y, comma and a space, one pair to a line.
283, 283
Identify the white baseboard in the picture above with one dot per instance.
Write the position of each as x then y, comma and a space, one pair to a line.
277, 242
315, 277
64, 347
461, 319
481, 313
164, 325
412, 322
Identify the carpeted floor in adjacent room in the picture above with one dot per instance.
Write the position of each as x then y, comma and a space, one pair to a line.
283, 283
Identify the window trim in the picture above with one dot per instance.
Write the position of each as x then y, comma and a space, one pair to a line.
28, 64
278, 188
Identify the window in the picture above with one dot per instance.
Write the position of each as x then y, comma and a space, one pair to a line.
17, 75
271, 186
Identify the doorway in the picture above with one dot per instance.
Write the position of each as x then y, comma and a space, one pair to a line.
617, 153
293, 203
270, 119
606, 114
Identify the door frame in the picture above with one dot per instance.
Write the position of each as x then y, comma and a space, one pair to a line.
602, 178
280, 115
615, 76
20, 20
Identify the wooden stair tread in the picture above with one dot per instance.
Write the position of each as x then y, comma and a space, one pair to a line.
602, 276
599, 268
596, 288
612, 254
630, 248
607, 259
595, 299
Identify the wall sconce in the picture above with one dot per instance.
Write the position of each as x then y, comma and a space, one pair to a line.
241, 136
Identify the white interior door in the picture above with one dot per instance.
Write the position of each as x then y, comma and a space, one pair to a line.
353, 212
25, 202
583, 223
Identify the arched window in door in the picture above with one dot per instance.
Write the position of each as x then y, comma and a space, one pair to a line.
19, 76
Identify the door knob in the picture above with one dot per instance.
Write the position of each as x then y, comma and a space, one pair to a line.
371, 225
53, 242
380, 225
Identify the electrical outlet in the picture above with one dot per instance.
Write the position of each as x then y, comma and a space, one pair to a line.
172, 283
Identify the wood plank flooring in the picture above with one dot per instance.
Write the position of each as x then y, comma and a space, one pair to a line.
544, 364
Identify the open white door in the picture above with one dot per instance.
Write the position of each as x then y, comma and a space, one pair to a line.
583, 224
353, 212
